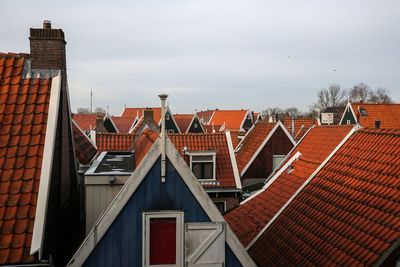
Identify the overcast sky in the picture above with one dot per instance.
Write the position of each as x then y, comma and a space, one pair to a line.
214, 54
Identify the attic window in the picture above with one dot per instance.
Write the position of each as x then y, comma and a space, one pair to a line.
363, 112
203, 165
167, 116
195, 125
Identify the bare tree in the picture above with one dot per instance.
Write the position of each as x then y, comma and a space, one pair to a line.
360, 93
82, 110
99, 111
292, 112
380, 95
333, 96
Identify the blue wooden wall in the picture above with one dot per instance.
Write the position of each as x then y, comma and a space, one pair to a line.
122, 244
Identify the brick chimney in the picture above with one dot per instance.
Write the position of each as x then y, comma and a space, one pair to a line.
47, 48
100, 124
148, 118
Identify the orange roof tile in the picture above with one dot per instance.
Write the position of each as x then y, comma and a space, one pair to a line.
143, 144
123, 124
205, 115
195, 142
252, 141
86, 122
84, 148
183, 121
236, 137
114, 141
212, 128
209, 142
250, 217
138, 113
348, 214
387, 114
24, 105
301, 125
231, 119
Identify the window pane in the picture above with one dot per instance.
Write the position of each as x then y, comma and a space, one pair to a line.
208, 171
162, 241
196, 168
202, 158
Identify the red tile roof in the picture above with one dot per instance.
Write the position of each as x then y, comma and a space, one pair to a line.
195, 142
84, 148
86, 122
212, 128
236, 137
114, 141
183, 121
250, 217
252, 141
387, 114
138, 113
205, 115
123, 124
231, 119
349, 213
209, 142
144, 143
301, 125
24, 105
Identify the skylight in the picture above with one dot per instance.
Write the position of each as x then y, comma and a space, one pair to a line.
363, 112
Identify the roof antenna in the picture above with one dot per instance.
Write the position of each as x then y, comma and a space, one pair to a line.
163, 97
91, 99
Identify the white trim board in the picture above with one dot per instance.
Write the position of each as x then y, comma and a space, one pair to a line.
348, 135
45, 175
106, 219
344, 113
233, 160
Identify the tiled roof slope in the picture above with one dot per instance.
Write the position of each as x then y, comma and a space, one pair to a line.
84, 148
387, 114
300, 124
252, 142
144, 143
114, 141
209, 142
205, 115
235, 137
24, 105
212, 128
232, 119
349, 214
138, 112
183, 121
86, 122
250, 217
123, 124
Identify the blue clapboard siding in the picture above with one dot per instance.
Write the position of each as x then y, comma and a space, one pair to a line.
122, 244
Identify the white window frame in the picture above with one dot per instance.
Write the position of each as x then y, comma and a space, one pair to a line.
348, 122
277, 156
178, 215
204, 153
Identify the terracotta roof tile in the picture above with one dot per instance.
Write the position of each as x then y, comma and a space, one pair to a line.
231, 119
114, 141
348, 214
205, 115
86, 122
183, 121
84, 148
23, 116
195, 142
138, 113
252, 141
209, 142
387, 114
250, 218
236, 137
301, 125
123, 124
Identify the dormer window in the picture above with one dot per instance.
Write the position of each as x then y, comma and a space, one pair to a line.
203, 164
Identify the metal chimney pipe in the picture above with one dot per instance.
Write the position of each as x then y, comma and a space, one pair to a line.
163, 97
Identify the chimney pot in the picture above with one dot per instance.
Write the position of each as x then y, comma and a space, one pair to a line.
47, 24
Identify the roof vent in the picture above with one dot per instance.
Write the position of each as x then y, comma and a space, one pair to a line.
377, 124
